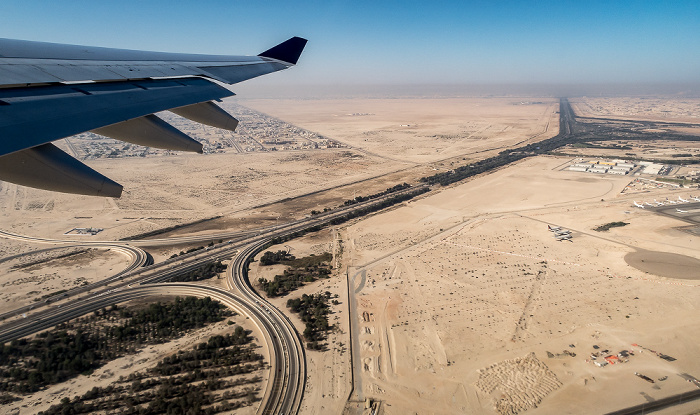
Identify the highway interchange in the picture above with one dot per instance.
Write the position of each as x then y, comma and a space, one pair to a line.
141, 278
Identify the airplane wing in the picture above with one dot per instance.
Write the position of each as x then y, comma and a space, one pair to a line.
51, 91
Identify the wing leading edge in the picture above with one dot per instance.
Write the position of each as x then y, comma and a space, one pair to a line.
51, 91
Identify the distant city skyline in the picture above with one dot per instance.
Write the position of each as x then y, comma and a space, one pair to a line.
408, 42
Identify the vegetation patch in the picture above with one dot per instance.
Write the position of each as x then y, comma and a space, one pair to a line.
313, 311
204, 272
85, 344
215, 376
607, 226
300, 271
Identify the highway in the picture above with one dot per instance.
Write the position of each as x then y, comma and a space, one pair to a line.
287, 358
288, 384
285, 389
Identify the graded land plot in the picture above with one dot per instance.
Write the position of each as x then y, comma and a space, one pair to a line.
147, 372
420, 130
32, 278
467, 289
328, 380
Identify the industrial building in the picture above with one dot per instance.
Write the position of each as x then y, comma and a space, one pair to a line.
602, 167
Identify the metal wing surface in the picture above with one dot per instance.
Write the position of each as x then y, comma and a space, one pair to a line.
50, 91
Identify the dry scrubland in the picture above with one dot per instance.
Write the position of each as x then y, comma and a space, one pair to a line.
683, 114
27, 279
461, 288
166, 190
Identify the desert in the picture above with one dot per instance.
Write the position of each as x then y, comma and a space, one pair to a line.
460, 300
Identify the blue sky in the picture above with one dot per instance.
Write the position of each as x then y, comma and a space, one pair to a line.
397, 42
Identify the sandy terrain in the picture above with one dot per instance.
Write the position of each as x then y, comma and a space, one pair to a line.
167, 190
420, 130
24, 284
459, 286
164, 188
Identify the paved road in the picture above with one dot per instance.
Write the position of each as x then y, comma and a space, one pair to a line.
659, 404
289, 381
288, 362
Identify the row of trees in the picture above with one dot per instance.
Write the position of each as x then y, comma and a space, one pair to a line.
482, 166
359, 199
168, 229
378, 206
392, 189
351, 215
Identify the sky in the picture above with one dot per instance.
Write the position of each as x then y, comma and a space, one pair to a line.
396, 42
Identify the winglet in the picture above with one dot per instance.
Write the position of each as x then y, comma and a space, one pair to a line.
287, 51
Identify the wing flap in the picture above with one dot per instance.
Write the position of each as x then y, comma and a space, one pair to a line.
208, 113
236, 74
48, 167
75, 73
151, 131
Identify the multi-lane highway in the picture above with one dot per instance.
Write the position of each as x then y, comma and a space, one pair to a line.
137, 256
285, 389
289, 380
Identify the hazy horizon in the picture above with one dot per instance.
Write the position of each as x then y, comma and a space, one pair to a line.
254, 89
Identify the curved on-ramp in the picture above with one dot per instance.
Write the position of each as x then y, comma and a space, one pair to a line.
289, 383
